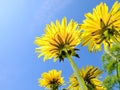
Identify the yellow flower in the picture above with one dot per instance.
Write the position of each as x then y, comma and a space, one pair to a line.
89, 75
101, 27
51, 80
58, 39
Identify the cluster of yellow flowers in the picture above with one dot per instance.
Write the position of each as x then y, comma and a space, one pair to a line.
60, 39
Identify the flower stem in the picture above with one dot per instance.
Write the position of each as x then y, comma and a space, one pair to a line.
110, 54
118, 44
118, 71
54, 87
76, 71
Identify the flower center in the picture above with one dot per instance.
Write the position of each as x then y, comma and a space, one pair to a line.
105, 33
54, 81
67, 50
54, 84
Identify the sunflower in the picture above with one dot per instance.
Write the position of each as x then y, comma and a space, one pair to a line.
101, 27
58, 40
51, 80
89, 75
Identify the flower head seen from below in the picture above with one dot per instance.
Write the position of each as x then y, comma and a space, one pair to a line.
51, 80
89, 75
59, 39
102, 27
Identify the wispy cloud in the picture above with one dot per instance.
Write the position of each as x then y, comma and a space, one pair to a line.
50, 8
54, 5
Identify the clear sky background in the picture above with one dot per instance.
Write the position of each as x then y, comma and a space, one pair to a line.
20, 22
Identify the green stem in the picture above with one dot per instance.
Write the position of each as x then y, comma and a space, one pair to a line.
54, 87
77, 73
110, 54
118, 71
117, 43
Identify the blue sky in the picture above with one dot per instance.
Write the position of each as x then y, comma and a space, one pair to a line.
20, 22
